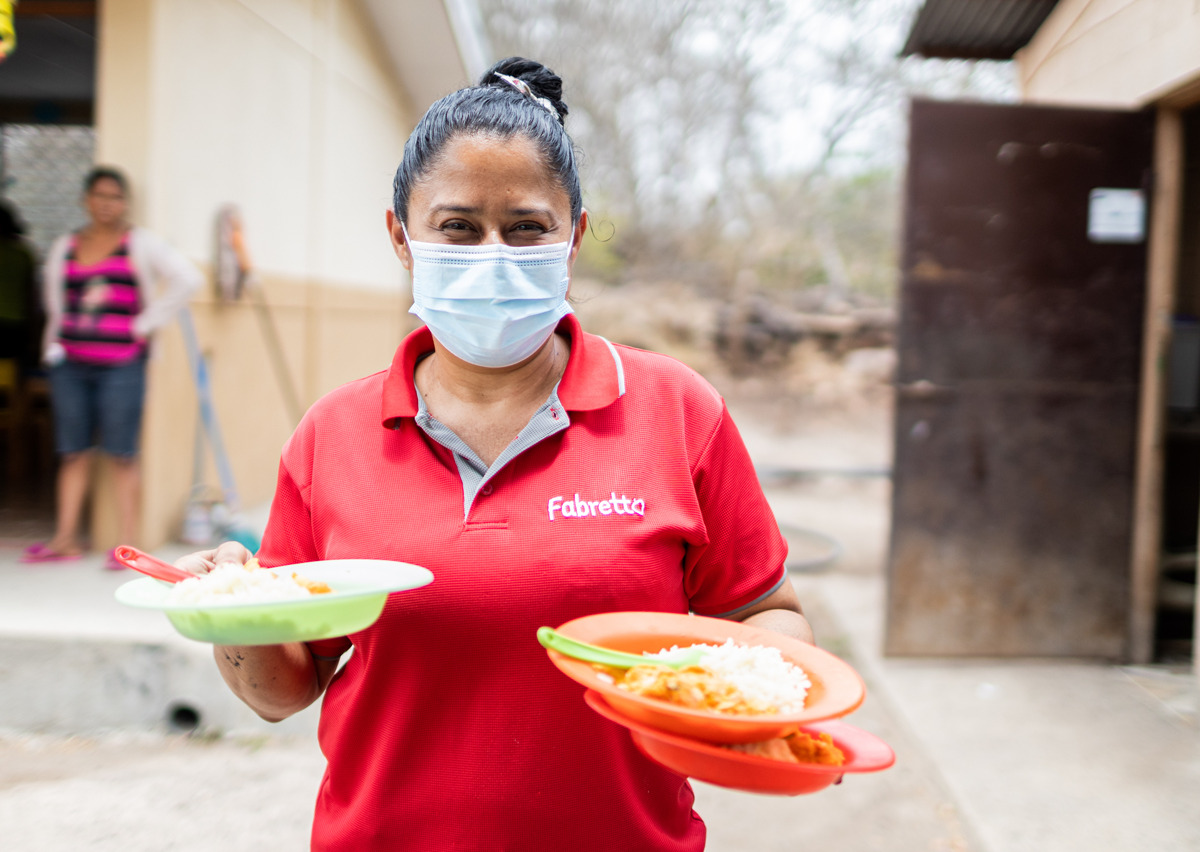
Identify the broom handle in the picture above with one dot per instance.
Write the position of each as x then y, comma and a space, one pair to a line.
208, 414
275, 348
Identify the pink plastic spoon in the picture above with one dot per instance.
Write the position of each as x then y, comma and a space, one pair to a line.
138, 560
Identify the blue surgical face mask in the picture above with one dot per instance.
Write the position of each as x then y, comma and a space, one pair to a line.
491, 305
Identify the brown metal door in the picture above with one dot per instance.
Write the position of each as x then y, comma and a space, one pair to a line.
1019, 359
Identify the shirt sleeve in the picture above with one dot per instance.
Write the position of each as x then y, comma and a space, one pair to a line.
175, 277
743, 559
288, 538
52, 297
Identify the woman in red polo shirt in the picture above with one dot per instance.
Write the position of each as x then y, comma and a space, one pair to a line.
542, 474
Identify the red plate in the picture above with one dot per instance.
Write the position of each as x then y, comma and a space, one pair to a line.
724, 767
836, 688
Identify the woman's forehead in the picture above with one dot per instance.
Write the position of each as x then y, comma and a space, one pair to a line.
106, 187
475, 164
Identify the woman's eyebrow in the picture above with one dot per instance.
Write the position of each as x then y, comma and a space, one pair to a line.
453, 208
515, 211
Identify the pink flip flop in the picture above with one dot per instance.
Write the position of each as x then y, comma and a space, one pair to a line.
40, 553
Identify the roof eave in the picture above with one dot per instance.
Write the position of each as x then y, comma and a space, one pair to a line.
434, 46
969, 29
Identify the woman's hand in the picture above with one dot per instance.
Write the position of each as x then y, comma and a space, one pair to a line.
203, 561
274, 681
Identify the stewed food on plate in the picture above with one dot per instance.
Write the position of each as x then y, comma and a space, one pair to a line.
728, 678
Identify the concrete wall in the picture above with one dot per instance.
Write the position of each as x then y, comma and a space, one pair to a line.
112, 683
1112, 53
291, 111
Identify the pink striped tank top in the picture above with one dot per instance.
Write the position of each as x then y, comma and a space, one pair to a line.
102, 300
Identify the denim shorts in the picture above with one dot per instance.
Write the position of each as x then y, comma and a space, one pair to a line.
98, 406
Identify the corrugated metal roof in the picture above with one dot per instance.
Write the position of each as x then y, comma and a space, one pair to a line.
975, 29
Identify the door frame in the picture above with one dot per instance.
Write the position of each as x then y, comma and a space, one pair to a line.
1162, 261
1162, 271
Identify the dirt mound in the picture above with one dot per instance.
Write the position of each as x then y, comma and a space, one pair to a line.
778, 361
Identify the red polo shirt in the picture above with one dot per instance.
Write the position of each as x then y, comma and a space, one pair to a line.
448, 727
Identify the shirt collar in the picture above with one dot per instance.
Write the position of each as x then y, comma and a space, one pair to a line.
593, 379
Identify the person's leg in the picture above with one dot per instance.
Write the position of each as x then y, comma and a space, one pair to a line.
127, 481
72, 394
122, 401
74, 475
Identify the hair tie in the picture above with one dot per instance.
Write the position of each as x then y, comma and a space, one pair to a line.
523, 87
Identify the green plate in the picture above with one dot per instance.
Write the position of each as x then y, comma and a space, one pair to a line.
360, 589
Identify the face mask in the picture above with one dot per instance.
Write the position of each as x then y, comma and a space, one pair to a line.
490, 305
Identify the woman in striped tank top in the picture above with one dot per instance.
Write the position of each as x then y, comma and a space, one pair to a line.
107, 288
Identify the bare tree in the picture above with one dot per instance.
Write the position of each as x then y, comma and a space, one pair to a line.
665, 99
717, 135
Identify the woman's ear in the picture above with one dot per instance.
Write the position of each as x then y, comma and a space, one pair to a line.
577, 237
399, 242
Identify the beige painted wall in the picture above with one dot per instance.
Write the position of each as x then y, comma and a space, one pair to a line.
289, 109
329, 335
1112, 53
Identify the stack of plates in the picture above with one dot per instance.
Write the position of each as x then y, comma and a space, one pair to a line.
688, 741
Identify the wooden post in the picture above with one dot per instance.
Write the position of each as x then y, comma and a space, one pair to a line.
1161, 271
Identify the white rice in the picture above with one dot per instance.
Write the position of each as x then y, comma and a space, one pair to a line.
229, 583
759, 672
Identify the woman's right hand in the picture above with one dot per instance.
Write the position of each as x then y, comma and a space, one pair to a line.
203, 561
54, 354
274, 681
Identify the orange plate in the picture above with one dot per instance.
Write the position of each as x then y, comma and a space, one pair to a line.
836, 688
713, 764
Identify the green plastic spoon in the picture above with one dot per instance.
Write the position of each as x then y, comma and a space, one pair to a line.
555, 641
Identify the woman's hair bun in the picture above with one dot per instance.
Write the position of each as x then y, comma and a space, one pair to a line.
544, 82
515, 97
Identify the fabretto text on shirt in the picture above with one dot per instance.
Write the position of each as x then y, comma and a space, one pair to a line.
577, 508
